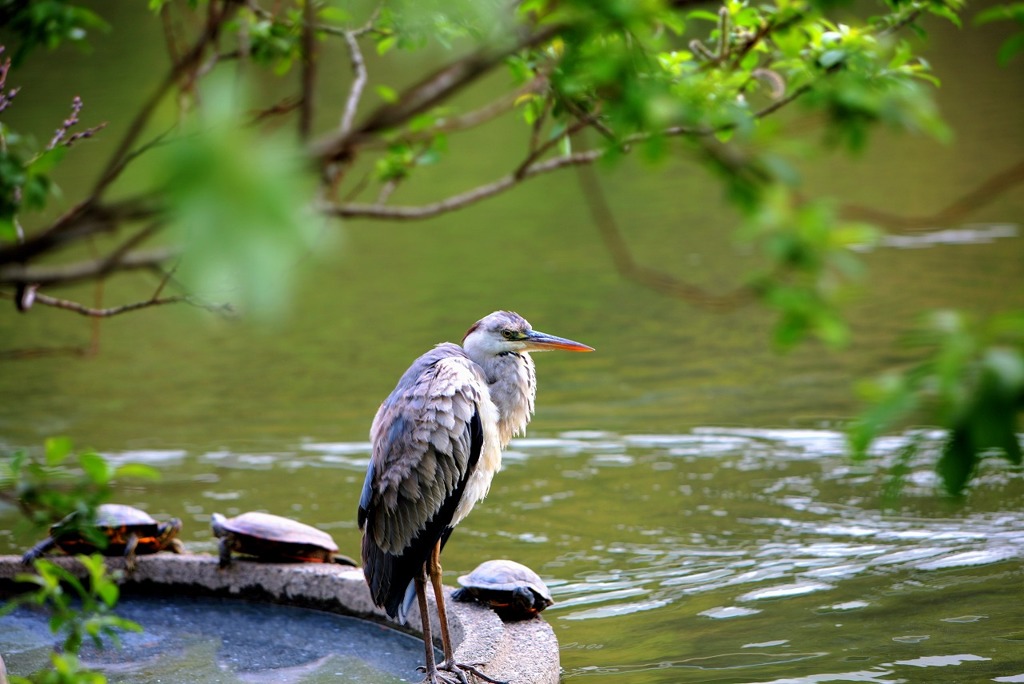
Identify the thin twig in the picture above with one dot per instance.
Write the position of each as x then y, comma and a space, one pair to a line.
467, 120
355, 92
168, 276
70, 122
386, 190
543, 149
308, 69
108, 312
114, 259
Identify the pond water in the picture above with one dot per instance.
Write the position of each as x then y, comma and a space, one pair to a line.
225, 642
685, 490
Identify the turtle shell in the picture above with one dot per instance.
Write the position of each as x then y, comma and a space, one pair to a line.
273, 537
128, 530
513, 590
117, 523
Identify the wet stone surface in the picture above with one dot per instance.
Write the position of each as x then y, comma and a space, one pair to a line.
272, 622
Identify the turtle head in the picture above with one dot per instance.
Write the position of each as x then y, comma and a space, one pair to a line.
217, 524
525, 600
170, 529
167, 535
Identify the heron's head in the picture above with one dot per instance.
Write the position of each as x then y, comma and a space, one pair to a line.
507, 331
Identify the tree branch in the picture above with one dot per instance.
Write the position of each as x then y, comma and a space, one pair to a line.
429, 91
84, 219
424, 211
355, 93
225, 310
63, 274
308, 69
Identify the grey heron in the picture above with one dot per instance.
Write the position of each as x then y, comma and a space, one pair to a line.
437, 442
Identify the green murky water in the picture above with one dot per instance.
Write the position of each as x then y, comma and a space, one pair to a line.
683, 490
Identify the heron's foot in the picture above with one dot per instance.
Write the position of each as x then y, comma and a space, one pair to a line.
461, 670
457, 673
438, 677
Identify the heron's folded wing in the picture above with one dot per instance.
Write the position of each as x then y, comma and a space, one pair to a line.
424, 450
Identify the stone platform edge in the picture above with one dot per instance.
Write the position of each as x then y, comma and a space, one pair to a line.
524, 652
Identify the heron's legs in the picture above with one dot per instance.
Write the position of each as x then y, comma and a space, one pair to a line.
459, 669
428, 642
442, 612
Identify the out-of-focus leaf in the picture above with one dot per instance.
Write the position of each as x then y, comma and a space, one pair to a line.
95, 467
137, 470
830, 58
703, 14
48, 160
57, 449
1011, 47
957, 463
239, 203
50, 24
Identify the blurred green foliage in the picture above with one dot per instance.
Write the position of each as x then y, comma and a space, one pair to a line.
971, 381
78, 610
48, 24
1014, 45
52, 485
238, 203
48, 487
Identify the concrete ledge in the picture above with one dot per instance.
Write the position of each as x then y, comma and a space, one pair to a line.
523, 652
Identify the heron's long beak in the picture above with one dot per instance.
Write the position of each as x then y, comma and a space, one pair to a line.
538, 341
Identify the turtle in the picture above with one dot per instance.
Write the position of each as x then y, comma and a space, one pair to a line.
514, 591
129, 532
273, 537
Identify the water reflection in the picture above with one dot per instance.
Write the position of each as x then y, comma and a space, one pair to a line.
216, 640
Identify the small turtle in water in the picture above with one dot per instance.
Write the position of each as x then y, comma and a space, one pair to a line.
129, 532
272, 537
514, 591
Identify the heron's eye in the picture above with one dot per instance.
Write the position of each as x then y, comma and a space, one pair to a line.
509, 334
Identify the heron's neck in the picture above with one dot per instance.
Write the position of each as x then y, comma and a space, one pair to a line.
512, 381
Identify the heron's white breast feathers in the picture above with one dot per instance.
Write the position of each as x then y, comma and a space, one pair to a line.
490, 462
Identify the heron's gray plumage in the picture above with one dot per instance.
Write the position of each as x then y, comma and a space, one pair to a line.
437, 442
422, 443
426, 441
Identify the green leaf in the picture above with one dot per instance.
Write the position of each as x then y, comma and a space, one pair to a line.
958, 461
830, 58
107, 591
705, 15
95, 467
1010, 48
57, 450
136, 470
385, 45
47, 160
941, 10
387, 94
239, 199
